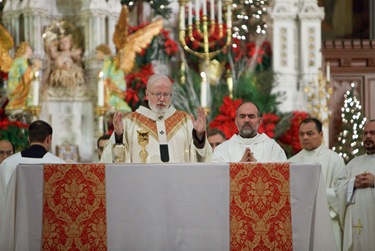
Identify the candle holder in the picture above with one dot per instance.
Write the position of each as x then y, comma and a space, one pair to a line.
34, 111
205, 29
100, 110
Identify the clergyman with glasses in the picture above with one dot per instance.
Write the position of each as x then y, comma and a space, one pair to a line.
6, 149
173, 135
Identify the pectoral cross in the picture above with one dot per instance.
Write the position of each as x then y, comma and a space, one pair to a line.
358, 226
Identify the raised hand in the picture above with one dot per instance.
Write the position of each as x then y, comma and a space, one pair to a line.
199, 124
117, 123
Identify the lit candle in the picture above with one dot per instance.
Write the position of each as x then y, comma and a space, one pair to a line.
35, 86
220, 12
229, 17
182, 18
204, 90
101, 90
197, 3
204, 8
328, 72
230, 86
190, 20
212, 8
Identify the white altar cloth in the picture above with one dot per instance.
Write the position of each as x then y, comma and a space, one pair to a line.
168, 207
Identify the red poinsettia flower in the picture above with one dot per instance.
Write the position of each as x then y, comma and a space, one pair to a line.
252, 50
269, 124
290, 137
225, 120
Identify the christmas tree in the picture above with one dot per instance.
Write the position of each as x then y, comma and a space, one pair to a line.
353, 121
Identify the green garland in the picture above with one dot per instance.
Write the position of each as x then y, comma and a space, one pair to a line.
159, 6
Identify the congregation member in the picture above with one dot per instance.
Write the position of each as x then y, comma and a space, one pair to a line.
6, 149
101, 142
355, 187
215, 137
40, 137
314, 151
168, 135
249, 145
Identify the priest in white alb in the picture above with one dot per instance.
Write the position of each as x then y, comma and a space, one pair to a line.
355, 187
156, 132
314, 151
249, 145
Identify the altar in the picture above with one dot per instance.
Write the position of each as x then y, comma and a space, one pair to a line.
168, 207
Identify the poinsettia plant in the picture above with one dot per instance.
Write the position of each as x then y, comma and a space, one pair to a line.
14, 131
282, 127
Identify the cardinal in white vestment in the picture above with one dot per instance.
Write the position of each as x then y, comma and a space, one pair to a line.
355, 187
171, 135
249, 145
314, 151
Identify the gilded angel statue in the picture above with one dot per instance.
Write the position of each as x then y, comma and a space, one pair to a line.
20, 73
115, 67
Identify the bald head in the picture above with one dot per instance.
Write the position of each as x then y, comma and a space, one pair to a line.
6, 149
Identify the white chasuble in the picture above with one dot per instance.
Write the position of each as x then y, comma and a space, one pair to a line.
263, 148
174, 128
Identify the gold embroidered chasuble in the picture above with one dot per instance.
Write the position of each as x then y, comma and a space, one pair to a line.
178, 129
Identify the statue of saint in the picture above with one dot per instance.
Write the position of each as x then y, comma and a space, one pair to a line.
66, 68
114, 80
20, 77
64, 47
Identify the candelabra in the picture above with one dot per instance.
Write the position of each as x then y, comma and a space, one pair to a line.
318, 95
199, 33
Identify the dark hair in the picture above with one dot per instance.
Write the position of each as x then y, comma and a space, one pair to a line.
316, 121
214, 131
39, 130
103, 137
249, 102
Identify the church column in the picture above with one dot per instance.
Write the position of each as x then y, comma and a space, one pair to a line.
11, 23
311, 16
285, 51
112, 21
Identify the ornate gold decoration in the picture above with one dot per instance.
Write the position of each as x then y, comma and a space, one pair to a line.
318, 93
118, 153
260, 210
204, 29
128, 45
60, 29
143, 141
6, 43
79, 215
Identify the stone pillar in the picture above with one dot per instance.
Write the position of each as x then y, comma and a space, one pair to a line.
285, 51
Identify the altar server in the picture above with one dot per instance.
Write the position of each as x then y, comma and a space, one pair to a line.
314, 151
356, 192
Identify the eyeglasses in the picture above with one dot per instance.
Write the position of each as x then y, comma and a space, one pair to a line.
159, 95
9, 152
